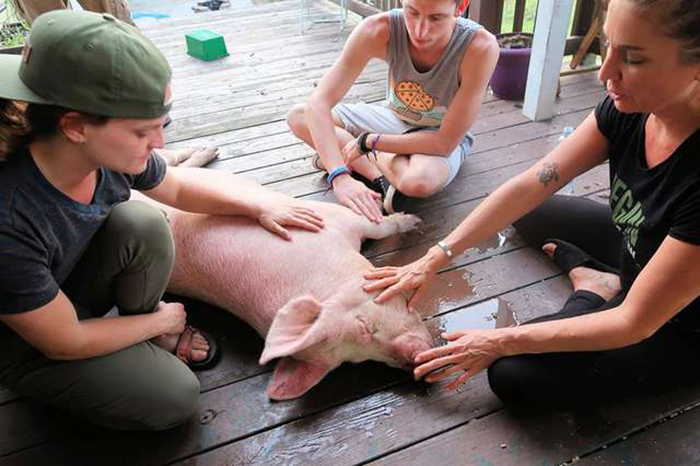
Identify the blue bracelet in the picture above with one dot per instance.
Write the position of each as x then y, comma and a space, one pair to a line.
338, 171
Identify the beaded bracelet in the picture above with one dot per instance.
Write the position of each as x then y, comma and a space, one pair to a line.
373, 149
339, 170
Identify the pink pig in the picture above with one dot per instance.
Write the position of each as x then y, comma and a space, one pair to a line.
303, 296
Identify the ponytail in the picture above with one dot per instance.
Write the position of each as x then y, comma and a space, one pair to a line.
14, 131
21, 124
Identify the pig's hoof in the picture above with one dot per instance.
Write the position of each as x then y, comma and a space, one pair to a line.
406, 222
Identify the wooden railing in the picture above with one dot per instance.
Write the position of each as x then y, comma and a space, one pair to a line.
384, 5
489, 13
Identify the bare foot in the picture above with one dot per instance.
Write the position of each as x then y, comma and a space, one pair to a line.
189, 156
604, 284
200, 347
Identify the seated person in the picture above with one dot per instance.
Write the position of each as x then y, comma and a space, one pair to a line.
30, 9
71, 244
632, 324
439, 67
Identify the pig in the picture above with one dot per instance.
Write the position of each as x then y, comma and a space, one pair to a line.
303, 296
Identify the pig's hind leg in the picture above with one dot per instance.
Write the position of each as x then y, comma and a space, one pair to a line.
390, 225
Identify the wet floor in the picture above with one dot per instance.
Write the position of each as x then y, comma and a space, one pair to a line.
495, 242
458, 287
490, 314
454, 292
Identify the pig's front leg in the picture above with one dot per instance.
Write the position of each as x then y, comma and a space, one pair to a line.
390, 225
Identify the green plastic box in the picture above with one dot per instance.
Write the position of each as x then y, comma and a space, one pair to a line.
206, 45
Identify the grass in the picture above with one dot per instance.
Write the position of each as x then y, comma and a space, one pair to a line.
529, 21
530, 13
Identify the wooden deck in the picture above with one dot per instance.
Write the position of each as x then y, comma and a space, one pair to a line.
363, 413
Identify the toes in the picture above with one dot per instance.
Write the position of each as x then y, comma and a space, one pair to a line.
549, 249
199, 342
201, 157
198, 355
200, 348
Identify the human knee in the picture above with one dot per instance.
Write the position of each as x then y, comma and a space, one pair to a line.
296, 119
418, 185
145, 228
526, 224
507, 378
172, 403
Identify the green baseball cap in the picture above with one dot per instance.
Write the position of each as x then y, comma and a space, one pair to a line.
88, 62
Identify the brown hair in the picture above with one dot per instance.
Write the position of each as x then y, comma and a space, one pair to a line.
20, 124
680, 20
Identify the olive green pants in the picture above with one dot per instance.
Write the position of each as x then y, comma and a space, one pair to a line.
143, 387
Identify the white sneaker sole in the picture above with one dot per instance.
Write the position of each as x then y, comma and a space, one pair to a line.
388, 207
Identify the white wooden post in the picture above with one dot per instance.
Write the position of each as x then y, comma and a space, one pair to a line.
545, 62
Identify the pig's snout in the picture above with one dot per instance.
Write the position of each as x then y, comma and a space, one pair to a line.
408, 346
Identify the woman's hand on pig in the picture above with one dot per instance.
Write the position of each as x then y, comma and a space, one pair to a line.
467, 353
414, 278
275, 217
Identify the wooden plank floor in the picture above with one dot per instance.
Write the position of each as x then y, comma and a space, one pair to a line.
365, 413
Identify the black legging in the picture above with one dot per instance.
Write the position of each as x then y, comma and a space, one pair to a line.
658, 363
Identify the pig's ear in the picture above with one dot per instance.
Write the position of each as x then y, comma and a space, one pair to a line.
293, 329
293, 378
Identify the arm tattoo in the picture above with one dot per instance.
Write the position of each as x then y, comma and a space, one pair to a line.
548, 173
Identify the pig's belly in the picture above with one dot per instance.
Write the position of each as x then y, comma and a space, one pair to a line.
235, 264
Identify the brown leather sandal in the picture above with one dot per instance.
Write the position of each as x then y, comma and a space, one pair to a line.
183, 349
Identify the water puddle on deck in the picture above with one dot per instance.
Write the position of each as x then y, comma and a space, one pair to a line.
494, 313
447, 295
496, 241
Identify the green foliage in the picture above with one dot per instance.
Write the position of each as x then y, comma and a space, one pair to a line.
509, 13
12, 28
529, 19
11, 39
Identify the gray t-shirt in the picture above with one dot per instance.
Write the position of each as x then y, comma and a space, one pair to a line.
422, 98
43, 232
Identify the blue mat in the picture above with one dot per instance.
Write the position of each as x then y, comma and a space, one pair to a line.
145, 14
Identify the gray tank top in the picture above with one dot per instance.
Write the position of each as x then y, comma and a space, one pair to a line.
421, 99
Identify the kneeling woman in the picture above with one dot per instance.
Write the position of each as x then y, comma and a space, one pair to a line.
71, 248
633, 322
